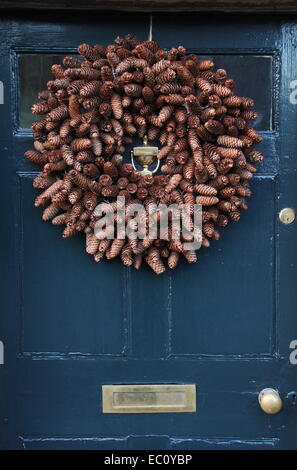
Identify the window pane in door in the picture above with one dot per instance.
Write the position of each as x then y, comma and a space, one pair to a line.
34, 73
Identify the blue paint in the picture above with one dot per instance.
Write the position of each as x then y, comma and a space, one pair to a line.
225, 323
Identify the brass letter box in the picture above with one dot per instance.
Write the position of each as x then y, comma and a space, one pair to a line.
160, 398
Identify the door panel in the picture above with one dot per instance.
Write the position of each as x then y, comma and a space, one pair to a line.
65, 307
225, 323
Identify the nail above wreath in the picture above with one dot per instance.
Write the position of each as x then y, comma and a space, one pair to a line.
92, 110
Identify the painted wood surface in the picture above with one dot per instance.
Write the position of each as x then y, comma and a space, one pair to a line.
225, 323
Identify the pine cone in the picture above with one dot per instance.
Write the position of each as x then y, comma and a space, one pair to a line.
190, 256
36, 157
173, 259
227, 141
207, 200
57, 114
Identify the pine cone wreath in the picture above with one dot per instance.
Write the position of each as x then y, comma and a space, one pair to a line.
96, 105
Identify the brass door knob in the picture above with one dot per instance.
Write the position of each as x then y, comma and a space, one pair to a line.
270, 401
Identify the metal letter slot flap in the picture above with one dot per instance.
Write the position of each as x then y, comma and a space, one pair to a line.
161, 398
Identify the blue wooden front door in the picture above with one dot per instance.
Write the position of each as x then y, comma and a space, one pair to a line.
226, 323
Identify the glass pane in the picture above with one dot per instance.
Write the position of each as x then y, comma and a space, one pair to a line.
34, 73
249, 72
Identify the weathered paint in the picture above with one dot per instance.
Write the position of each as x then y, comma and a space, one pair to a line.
69, 325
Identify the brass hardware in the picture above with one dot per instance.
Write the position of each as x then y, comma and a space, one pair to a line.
145, 155
161, 398
287, 216
270, 401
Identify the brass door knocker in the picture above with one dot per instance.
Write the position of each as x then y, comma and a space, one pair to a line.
145, 155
